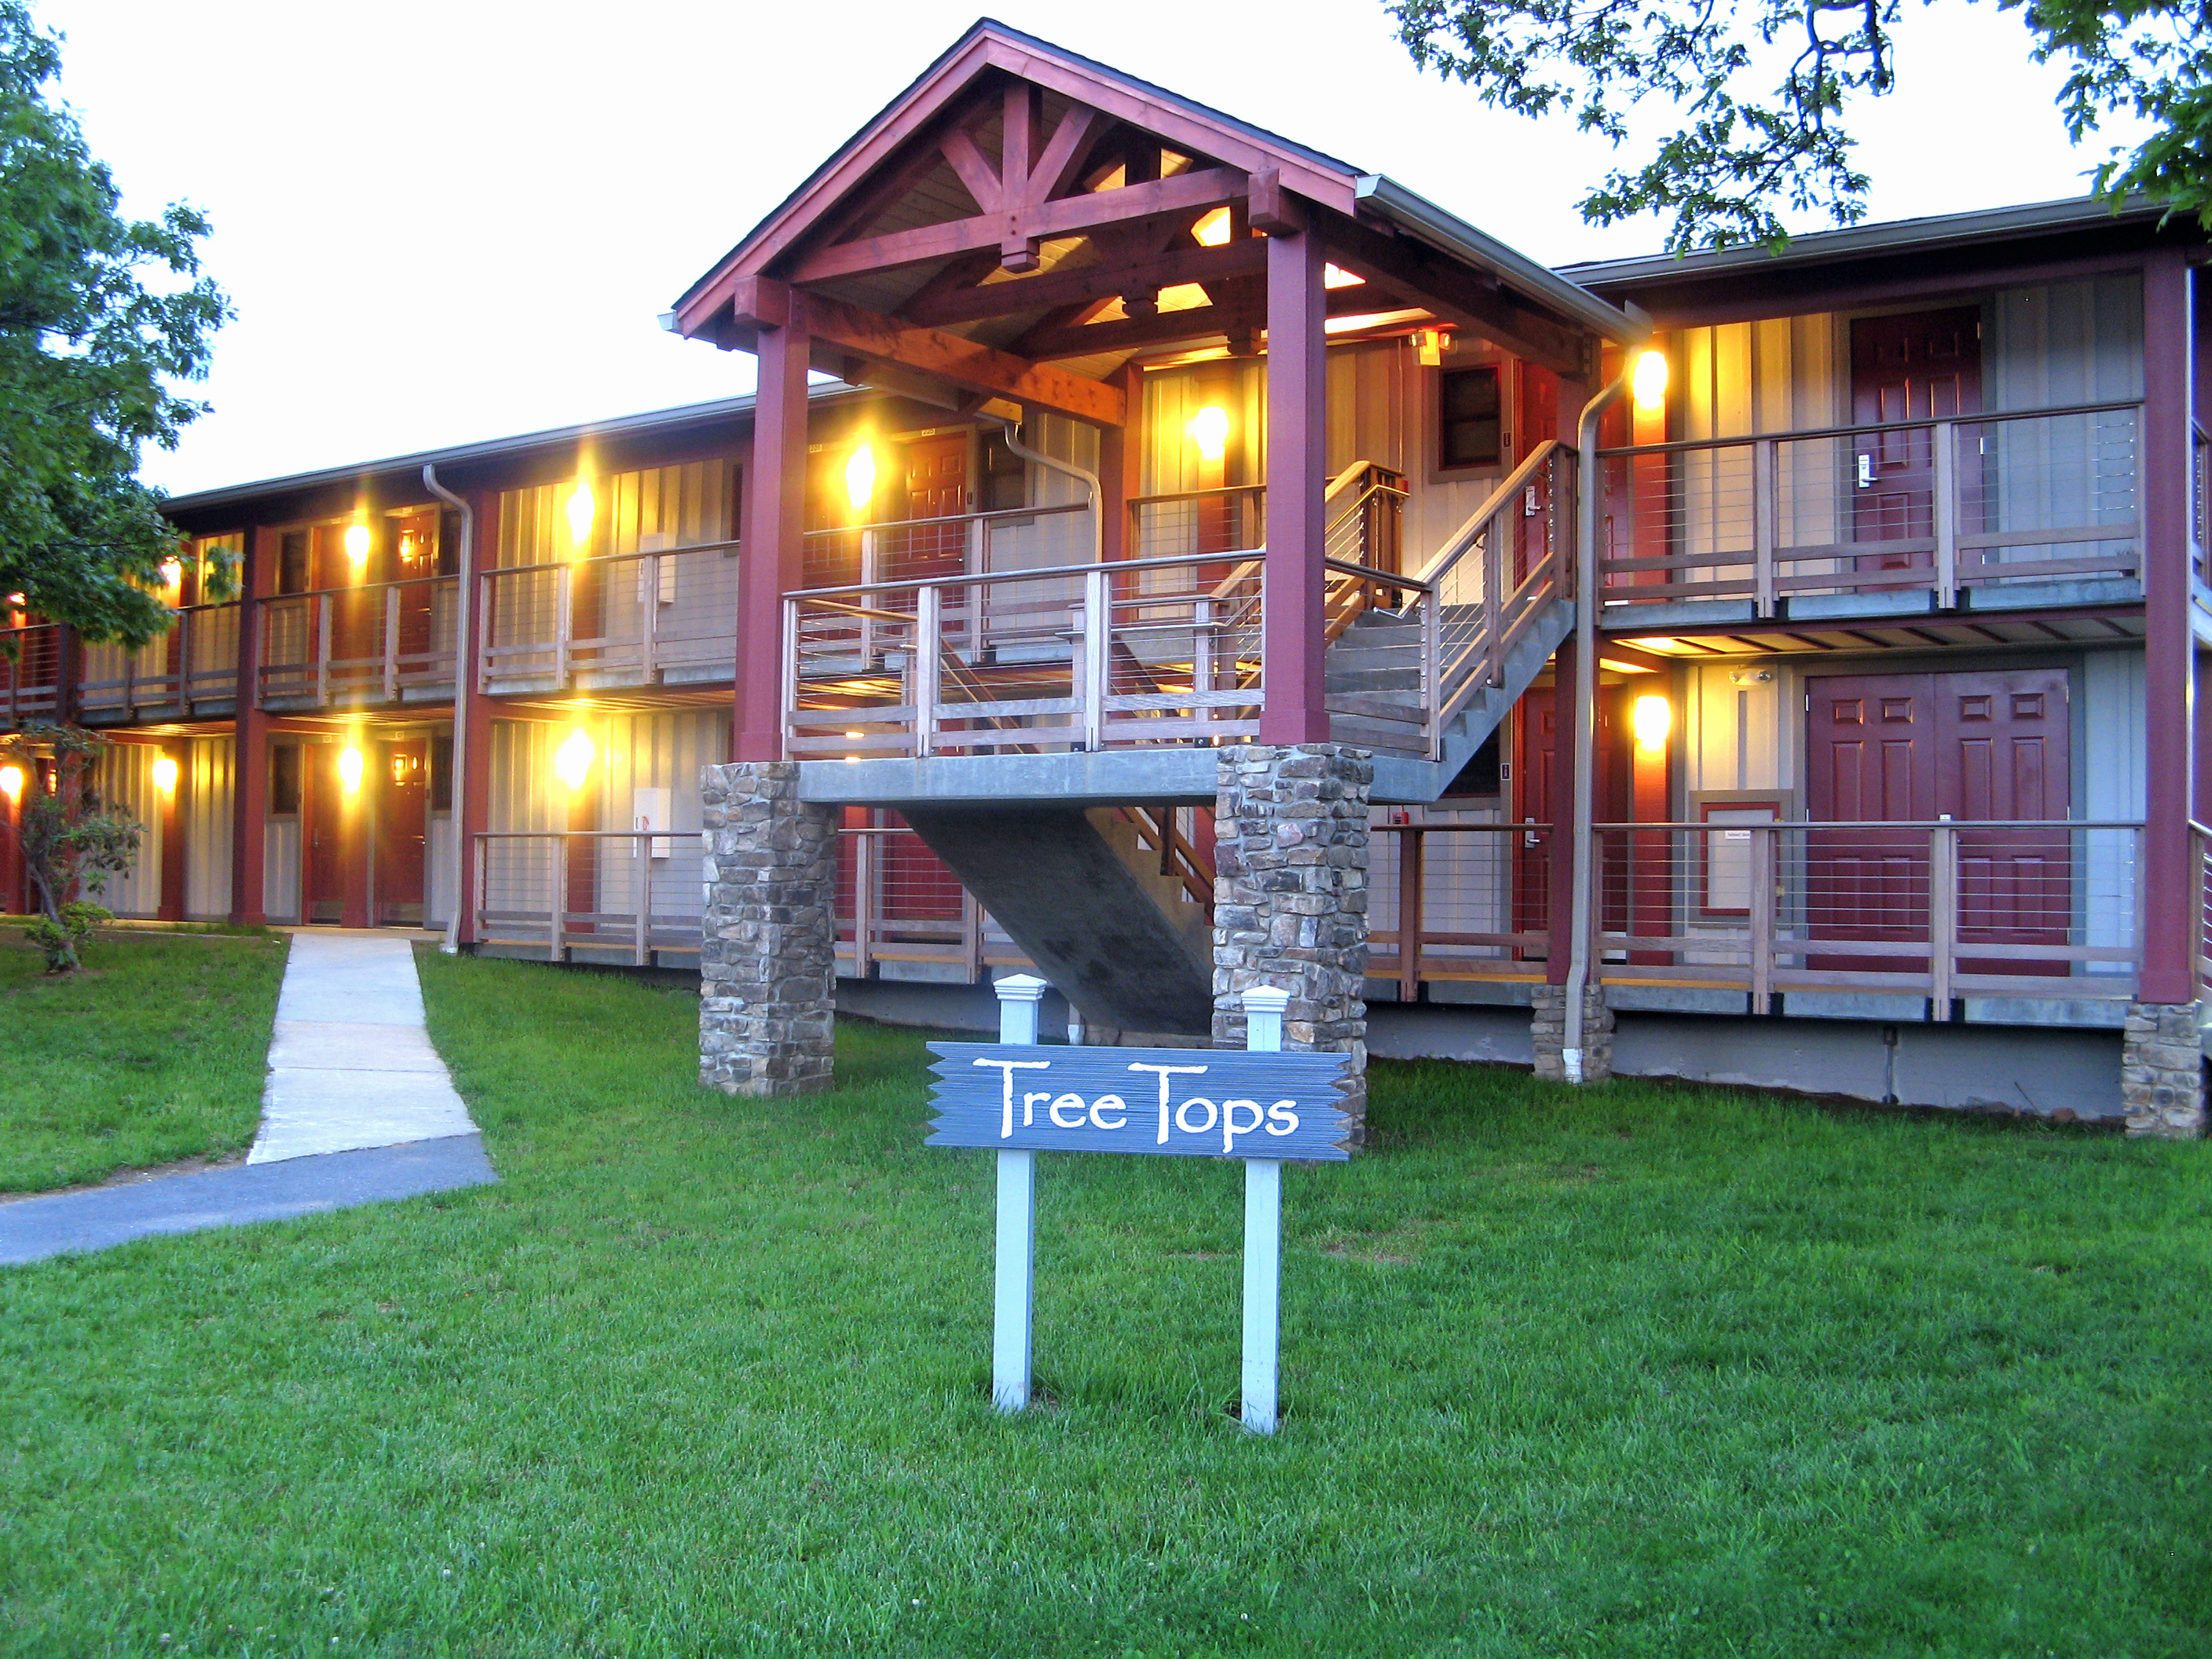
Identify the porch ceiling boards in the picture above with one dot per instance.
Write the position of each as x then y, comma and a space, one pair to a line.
2060, 627
1022, 221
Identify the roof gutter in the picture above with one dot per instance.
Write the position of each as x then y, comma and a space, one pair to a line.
1424, 219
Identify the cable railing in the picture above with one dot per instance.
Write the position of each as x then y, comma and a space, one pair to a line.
377, 642
1940, 507
1458, 900
667, 616
2046, 908
1081, 657
30, 674
1397, 686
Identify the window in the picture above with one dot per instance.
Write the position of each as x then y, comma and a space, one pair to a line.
1005, 483
1468, 431
441, 775
292, 562
284, 779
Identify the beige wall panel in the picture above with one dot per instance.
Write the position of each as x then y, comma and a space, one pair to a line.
207, 804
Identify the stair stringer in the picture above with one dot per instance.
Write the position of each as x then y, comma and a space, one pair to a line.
1067, 895
1401, 779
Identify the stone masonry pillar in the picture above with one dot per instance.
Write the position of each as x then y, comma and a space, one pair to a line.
2162, 1071
767, 960
1289, 896
1547, 1032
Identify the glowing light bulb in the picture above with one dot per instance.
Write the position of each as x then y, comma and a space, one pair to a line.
572, 761
1651, 719
349, 765
1649, 383
356, 543
1209, 430
583, 508
164, 774
860, 479
173, 572
11, 782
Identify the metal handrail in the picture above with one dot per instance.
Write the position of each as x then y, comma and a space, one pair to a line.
1042, 572
1875, 428
1895, 824
1470, 530
336, 592
731, 546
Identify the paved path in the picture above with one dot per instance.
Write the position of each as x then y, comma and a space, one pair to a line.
358, 1108
351, 1066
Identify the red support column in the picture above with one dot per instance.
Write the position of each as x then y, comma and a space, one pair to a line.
249, 763
770, 560
174, 800
2168, 870
1118, 469
472, 715
1297, 708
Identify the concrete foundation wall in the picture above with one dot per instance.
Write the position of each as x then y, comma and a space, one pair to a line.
2049, 1073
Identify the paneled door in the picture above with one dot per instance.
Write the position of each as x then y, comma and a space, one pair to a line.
1925, 365
401, 830
1914, 748
937, 487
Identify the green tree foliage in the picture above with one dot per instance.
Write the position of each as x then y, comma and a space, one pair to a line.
71, 842
1761, 86
89, 357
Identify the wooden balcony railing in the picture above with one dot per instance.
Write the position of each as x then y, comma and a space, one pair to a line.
191, 666
1458, 901
377, 642
665, 616
1942, 506
613, 895
1079, 657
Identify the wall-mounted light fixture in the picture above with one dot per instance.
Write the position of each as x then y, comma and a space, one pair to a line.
1651, 719
572, 761
583, 508
164, 774
860, 479
1648, 386
173, 573
11, 782
356, 543
350, 768
1209, 430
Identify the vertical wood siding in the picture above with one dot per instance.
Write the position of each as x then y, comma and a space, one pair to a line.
207, 826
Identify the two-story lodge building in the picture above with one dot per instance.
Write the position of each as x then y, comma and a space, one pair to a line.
1774, 668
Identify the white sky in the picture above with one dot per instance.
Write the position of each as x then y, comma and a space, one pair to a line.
448, 219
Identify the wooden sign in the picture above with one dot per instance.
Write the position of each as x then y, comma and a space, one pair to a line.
1184, 1103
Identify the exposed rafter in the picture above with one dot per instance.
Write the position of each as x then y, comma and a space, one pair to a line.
871, 336
1099, 282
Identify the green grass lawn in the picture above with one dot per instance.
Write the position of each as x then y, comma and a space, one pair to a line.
1636, 1370
156, 1052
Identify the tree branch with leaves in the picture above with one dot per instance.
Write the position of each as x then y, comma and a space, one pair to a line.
1760, 90
100, 316
71, 842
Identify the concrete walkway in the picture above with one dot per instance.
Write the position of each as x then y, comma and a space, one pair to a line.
358, 1109
351, 1066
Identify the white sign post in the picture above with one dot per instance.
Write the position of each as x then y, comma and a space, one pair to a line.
1263, 1232
1091, 1103
1013, 1298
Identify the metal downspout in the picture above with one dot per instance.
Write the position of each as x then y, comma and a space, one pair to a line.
1585, 713
464, 690
1090, 481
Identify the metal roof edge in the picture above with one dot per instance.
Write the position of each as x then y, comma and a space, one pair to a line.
1891, 236
1454, 235
621, 426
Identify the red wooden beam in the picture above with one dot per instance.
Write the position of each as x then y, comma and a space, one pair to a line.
966, 364
1064, 153
2171, 875
1296, 706
959, 147
1101, 282
1458, 296
1070, 216
775, 520
1230, 318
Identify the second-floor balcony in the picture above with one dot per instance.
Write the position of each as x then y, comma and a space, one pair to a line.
2035, 508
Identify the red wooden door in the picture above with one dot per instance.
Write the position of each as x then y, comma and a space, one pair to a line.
1923, 366
333, 871
1870, 744
403, 822
936, 488
2006, 753
1542, 790
1897, 748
